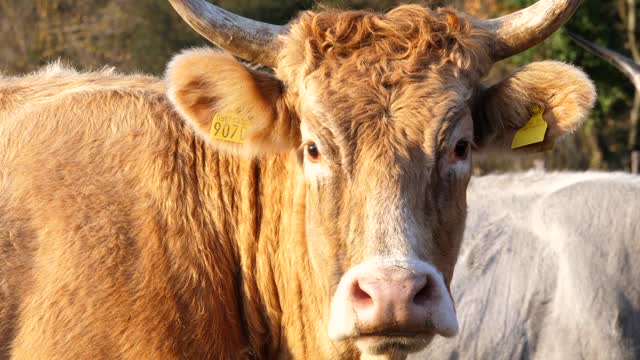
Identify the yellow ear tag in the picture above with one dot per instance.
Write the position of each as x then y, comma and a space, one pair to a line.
533, 131
229, 127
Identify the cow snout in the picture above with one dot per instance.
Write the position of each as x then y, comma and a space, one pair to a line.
391, 300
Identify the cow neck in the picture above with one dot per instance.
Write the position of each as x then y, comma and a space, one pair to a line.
196, 196
249, 250
282, 305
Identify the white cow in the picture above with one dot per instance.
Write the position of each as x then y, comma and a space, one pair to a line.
549, 269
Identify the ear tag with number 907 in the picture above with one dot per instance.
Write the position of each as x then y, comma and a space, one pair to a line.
229, 127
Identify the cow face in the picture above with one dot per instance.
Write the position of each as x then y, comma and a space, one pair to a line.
381, 112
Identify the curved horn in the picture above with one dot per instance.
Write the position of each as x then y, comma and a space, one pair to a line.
627, 66
526, 28
251, 40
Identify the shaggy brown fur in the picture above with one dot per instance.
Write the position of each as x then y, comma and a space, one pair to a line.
126, 233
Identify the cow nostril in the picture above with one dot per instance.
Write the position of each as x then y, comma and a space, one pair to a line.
424, 294
360, 297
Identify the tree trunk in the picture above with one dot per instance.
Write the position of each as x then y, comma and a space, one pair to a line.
633, 133
631, 30
633, 142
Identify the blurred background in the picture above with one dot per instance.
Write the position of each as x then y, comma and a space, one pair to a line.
142, 35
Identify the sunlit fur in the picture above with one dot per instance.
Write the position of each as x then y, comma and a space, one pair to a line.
565, 93
126, 232
390, 47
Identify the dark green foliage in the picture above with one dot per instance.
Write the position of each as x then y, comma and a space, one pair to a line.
159, 33
274, 12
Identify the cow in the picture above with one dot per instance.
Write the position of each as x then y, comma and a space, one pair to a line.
549, 269
312, 211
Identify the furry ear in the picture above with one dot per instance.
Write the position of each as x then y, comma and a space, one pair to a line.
204, 84
566, 93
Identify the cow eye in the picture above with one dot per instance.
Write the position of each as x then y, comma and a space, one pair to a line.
313, 154
461, 149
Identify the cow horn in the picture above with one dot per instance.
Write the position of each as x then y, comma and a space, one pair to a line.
526, 28
251, 40
629, 67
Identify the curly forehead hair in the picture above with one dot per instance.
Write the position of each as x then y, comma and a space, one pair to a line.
410, 33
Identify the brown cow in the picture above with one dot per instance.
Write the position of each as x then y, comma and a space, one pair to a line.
329, 229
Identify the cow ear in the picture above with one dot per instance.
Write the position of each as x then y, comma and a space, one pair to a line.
565, 92
235, 108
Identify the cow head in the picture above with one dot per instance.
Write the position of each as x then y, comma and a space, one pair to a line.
382, 112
